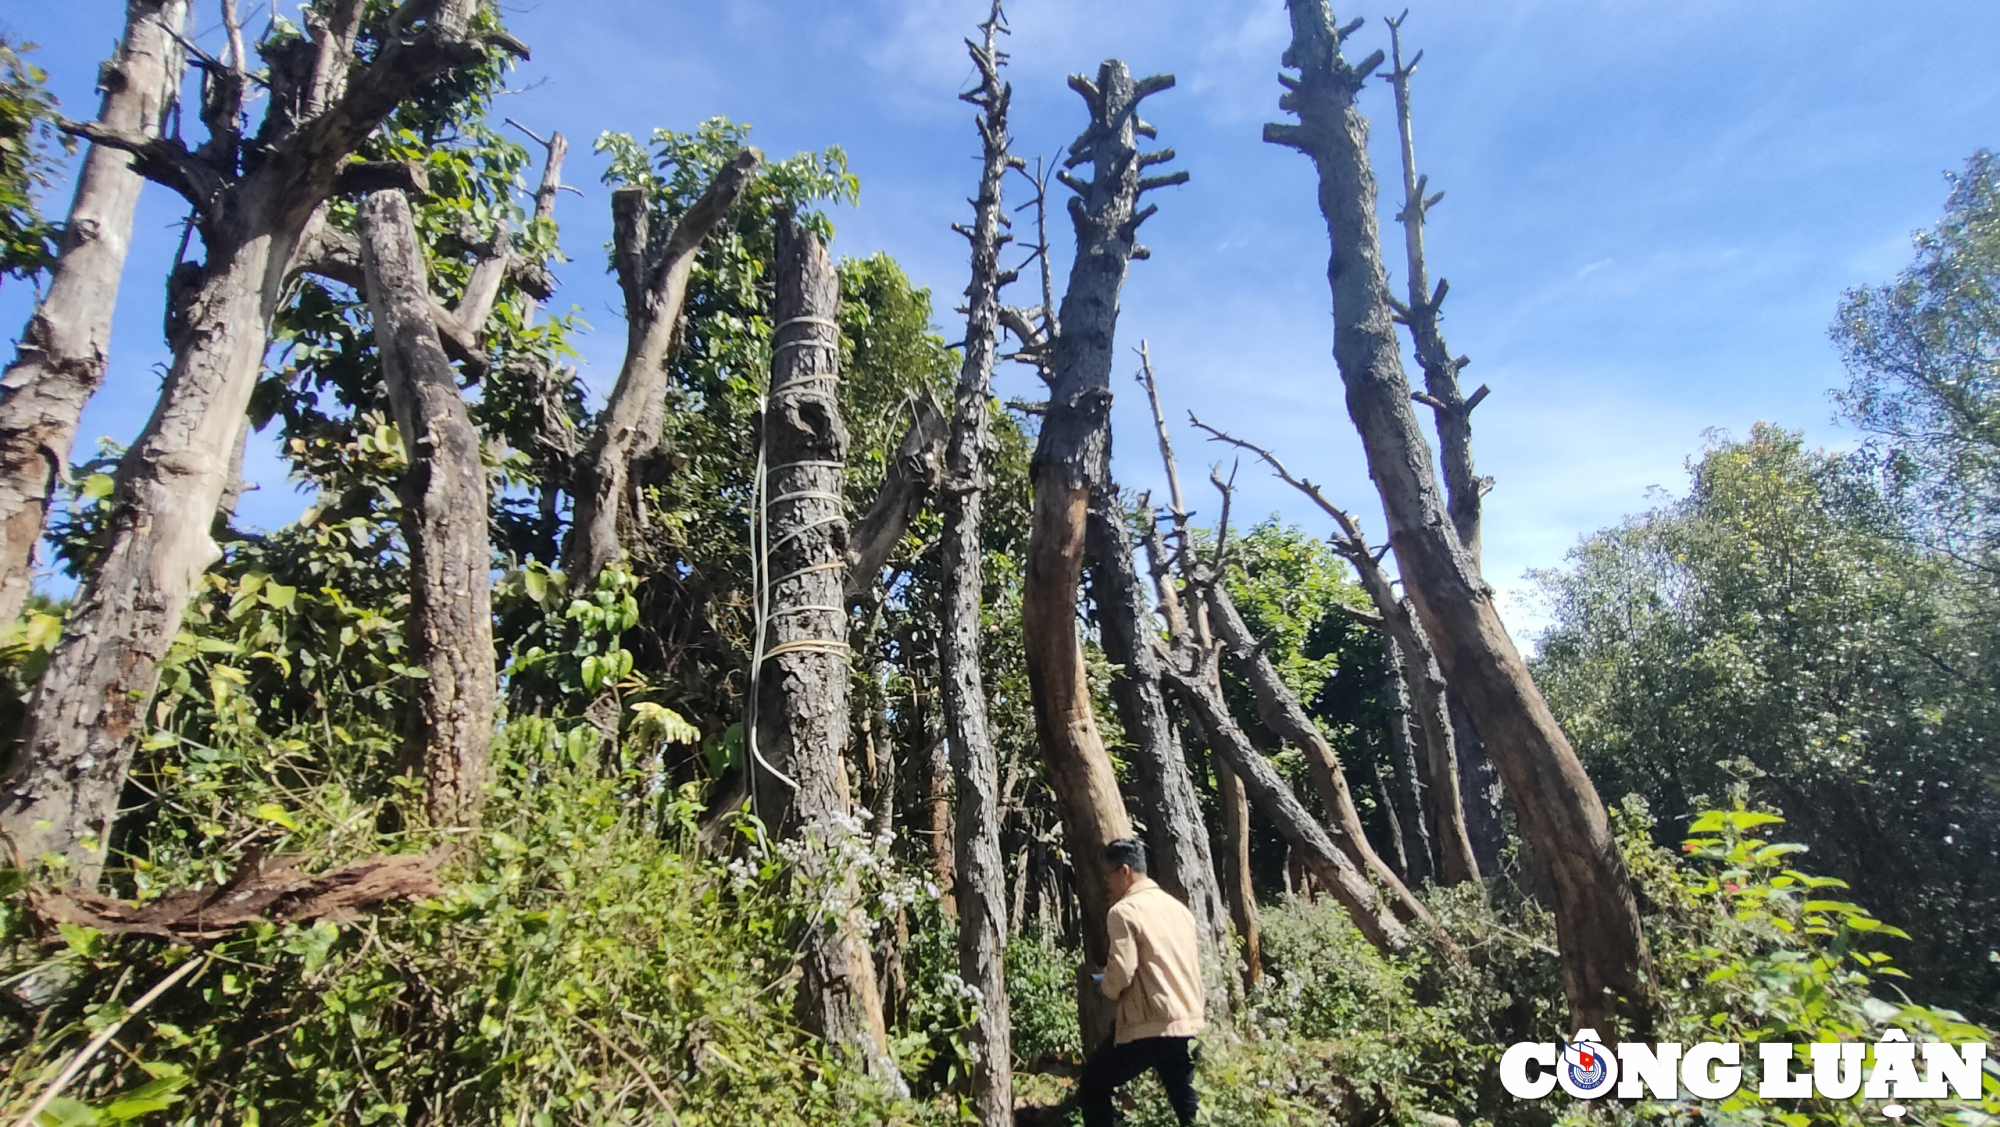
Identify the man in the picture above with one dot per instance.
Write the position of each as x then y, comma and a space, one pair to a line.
1154, 974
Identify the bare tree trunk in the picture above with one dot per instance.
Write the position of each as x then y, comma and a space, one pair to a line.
61, 355
1410, 797
982, 881
444, 521
60, 795
1283, 714
938, 837
1236, 871
1451, 412
1606, 965
1072, 463
1176, 836
1402, 806
628, 429
1389, 826
1479, 790
1308, 839
1444, 816
1440, 820
801, 697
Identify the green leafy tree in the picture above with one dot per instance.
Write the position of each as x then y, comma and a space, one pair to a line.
1924, 356
1775, 623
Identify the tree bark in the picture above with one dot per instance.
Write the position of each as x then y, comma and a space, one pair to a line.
1451, 412
1479, 791
444, 522
61, 355
1071, 463
60, 794
801, 696
1403, 806
1606, 965
655, 288
1444, 816
1176, 836
938, 836
1308, 839
982, 878
1236, 880
1282, 713
1389, 828
1409, 800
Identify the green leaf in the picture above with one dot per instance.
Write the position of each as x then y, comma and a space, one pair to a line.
272, 812
65, 1112
83, 940
96, 487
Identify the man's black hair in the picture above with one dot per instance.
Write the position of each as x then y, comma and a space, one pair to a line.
1126, 851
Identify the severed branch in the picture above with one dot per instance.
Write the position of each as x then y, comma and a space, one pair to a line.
541, 288
1035, 328
360, 177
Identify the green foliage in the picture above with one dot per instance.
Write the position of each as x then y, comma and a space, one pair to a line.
27, 111
1748, 947
582, 966
1776, 624
1923, 353
1041, 997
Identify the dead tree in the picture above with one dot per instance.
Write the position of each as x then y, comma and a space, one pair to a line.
60, 794
653, 275
1265, 788
444, 521
61, 355
1451, 413
982, 877
1404, 805
799, 680
1413, 660
1176, 835
1606, 964
556, 146
1236, 886
1189, 669
1071, 465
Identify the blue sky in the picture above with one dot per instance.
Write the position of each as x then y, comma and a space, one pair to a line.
1652, 209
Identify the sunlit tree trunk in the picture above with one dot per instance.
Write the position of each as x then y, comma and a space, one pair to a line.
61, 355
60, 794
444, 521
1606, 965
802, 723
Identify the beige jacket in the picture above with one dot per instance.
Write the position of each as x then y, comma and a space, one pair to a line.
1154, 970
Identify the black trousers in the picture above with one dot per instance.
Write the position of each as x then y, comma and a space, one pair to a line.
1170, 1058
